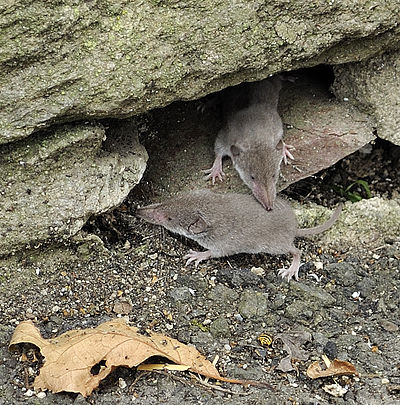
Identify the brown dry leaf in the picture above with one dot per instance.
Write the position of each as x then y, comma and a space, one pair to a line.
336, 367
70, 357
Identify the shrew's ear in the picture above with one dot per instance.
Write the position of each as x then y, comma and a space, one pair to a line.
235, 150
198, 224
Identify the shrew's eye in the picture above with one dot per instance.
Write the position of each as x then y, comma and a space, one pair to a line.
252, 177
169, 219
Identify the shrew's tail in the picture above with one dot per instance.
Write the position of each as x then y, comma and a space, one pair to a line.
323, 227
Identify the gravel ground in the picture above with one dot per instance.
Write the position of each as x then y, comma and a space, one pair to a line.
347, 299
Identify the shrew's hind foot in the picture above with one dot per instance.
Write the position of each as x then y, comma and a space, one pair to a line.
293, 270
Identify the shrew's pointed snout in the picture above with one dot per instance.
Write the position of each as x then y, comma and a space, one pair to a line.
151, 213
266, 196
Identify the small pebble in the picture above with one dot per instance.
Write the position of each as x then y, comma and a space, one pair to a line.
319, 265
29, 393
121, 383
238, 317
259, 271
330, 349
335, 390
41, 395
389, 326
122, 307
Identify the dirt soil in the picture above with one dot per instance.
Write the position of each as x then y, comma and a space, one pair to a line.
348, 300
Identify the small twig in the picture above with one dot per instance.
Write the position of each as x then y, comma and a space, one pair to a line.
378, 248
197, 380
216, 387
370, 375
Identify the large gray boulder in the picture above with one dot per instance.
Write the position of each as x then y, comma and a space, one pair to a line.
63, 61
52, 182
374, 86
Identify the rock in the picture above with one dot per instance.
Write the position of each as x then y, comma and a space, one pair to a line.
123, 306
301, 312
203, 341
52, 183
370, 222
224, 295
238, 277
366, 287
220, 328
312, 294
345, 342
67, 61
330, 349
319, 341
181, 294
389, 326
253, 304
5, 335
195, 281
322, 129
278, 302
373, 85
254, 373
344, 273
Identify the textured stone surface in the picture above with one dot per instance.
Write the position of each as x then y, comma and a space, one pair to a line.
374, 86
370, 222
253, 304
52, 182
322, 130
220, 328
71, 60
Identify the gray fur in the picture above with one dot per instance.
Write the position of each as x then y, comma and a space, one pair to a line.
227, 224
251, 136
